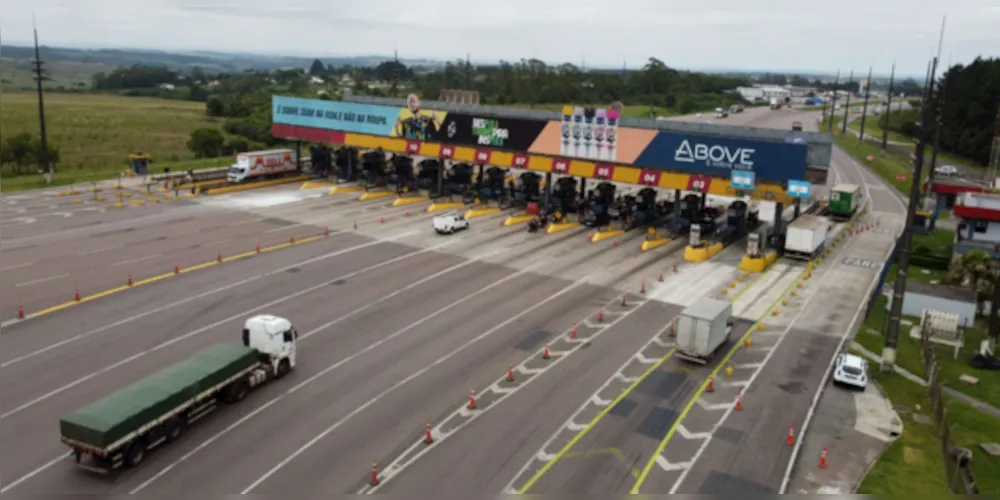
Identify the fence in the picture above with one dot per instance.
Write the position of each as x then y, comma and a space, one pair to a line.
957, 461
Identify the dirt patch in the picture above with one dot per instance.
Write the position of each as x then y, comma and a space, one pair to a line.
912, 455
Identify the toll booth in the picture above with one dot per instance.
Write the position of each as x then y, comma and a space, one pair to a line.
527, 190
401, 174
600, 202
459, 179
322, 160
346, 161
564, 196
139, 163
493, 185
373, 167
429, 176
758, 255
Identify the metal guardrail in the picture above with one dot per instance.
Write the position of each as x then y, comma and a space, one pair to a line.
820, 145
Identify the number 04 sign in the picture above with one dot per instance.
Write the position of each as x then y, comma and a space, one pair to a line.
699, 183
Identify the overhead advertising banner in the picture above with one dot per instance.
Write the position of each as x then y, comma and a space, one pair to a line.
483, 132
334, 115
590, 133
720, 156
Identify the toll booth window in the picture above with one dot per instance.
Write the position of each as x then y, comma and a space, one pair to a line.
981, 226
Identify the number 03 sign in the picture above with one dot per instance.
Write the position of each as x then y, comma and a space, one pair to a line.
699, 183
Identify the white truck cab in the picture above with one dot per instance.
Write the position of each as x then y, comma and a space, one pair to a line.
272, 336
450, 222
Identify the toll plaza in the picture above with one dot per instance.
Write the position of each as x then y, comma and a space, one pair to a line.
553, 149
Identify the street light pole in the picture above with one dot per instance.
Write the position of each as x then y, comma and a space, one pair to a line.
847, 104
833, 101
906, 237
864, 109
888, 109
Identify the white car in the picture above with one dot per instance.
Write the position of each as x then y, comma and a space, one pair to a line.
721, 113
851, 370
946, 170
449, 223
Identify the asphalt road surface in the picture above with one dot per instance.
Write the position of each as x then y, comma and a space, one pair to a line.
397, 326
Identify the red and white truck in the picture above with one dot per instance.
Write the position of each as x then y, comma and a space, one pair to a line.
257, 165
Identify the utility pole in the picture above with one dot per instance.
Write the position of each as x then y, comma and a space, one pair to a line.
468, 71
939, 104
906, 237
395, 72
41, 76
847, 104
888, 109
833, 101
864, 108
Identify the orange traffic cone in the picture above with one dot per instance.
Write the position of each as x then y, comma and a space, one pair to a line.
510, 372
643, 288
258, 248
472, 399
572, 333
673, 330
381, 220
616, 242
600, 315
739, 402
76, 294
675, 268
20, 312
129, 279
624, 301
661, 275
545, 353
291, 240
355, 225
428, 439
407, 214
791, 435
219, 258
374, 481
326, 232
822, 459
177, 269
711, 385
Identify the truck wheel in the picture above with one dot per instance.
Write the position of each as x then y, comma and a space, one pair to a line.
283, 368
237, 391
136, 453
173, 429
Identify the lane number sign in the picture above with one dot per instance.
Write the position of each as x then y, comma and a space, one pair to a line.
413, 147
447, 152
483, 155
604, 172
699, 183
560, 166
518, 160
649, 178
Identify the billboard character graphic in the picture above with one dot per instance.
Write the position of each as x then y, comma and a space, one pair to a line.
419, 125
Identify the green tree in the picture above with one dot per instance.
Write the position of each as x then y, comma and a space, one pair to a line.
18, 153
215, 107
976, 271
317, 68
206, 143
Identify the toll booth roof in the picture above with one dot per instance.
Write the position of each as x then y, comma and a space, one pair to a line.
820, 145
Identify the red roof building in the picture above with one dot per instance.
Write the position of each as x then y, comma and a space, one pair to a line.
980, 223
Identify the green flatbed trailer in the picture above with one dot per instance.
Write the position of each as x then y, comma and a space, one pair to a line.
118, 429
844, 201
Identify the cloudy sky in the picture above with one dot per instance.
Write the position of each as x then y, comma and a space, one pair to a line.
776, 34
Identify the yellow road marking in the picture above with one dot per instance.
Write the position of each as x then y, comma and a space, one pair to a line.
704, 384
152, 279
565, 449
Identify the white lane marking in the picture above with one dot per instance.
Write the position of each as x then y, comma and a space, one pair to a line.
667, 466
202, 330
408, 457
185, 301
283, 228
41, 280
570, 424
33, 473
248, 221
332, 367
729, 411
17, 266
99, 250
302, 449
686, 434
712, 407
140, 259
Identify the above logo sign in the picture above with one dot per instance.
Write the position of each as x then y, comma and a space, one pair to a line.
723, 156
799, 189
742, 180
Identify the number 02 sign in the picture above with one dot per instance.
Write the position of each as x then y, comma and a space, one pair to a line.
699, 183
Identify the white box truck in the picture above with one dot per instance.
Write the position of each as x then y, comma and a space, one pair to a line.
806, 237
703, 327
258, 165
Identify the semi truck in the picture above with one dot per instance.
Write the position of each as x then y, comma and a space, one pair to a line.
118, 430
844, 201
703, 328
258, 165
806, 237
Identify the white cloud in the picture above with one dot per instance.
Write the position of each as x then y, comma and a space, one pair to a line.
780, 34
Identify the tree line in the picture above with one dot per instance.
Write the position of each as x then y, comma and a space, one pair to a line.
967, 103
23, 152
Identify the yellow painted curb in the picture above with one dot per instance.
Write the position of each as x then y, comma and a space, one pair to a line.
315, 184
605, 235
346, 189
163, 276
555, 228
692, 254
651, 244
256, 185
480, 212
409, 200
514, 220
752, 265
449, 205
375, 195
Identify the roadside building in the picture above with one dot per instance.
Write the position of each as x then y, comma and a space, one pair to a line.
979, 226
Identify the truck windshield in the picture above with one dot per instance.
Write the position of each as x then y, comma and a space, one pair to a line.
235, 170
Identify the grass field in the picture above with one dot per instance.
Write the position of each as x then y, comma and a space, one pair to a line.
96, 133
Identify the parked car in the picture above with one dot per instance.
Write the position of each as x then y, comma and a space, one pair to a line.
946, 170
851, 370
721, 113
